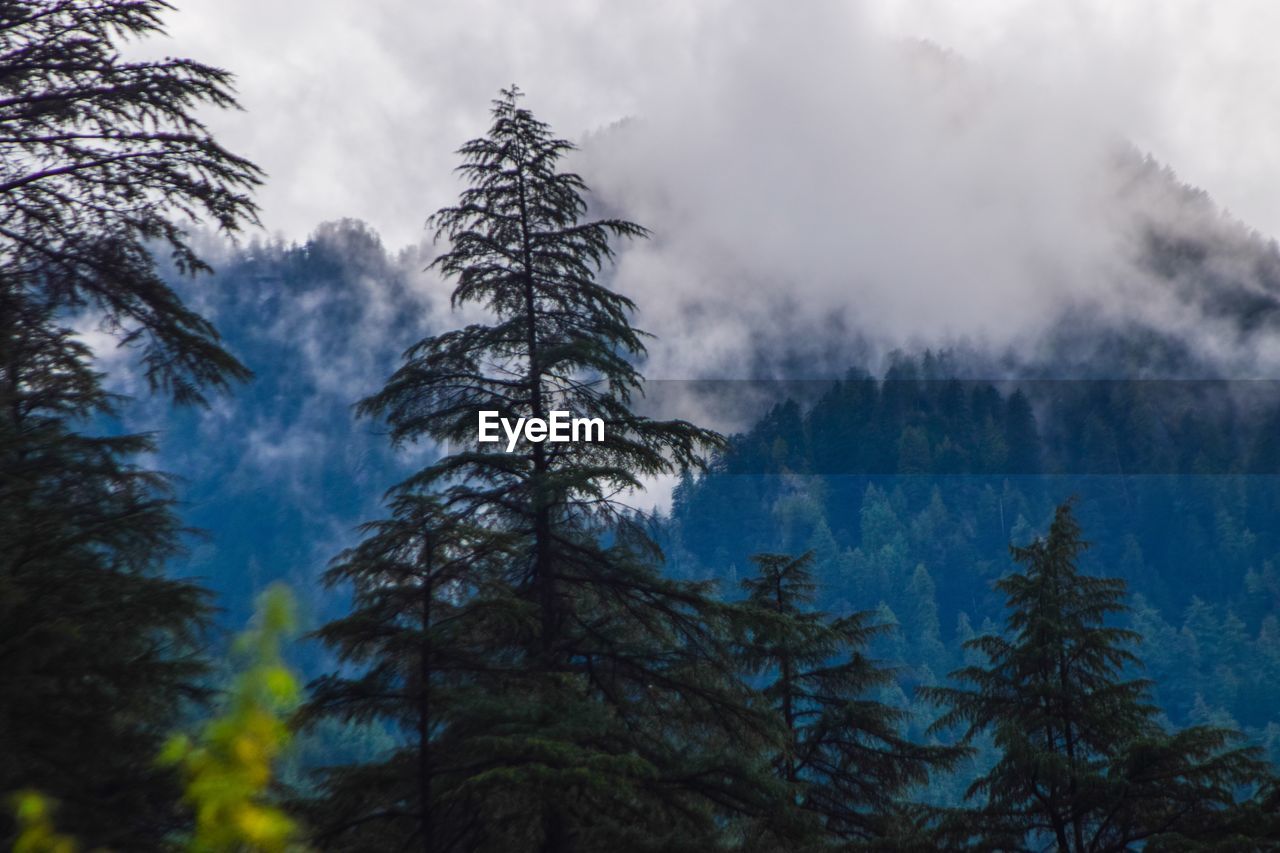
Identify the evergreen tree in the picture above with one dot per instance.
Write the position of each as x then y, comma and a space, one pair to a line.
845, 754
612, 715
1021, 436
925, 627
420, 620
96, 646
104, 158
1084, 766
101, 160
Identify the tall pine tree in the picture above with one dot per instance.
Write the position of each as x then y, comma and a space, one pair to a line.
844, 754
1085, 766
611, 714
101, 161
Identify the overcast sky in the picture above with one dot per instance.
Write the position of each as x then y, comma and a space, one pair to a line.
353, 106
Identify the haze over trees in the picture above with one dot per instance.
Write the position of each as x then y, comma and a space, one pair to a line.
867, 622
556, 693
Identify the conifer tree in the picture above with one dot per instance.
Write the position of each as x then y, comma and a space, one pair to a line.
104, 158
844, 754
96, 646
1085, 766
419, 625
101, 159
611, 714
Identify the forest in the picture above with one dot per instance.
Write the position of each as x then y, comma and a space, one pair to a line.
942, 601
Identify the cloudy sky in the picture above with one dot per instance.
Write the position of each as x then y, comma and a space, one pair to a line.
925, 172
939, 167
353, 107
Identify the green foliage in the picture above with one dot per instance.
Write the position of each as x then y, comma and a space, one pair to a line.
844, 754
583, 701
36, 833
228, 765
1084, 764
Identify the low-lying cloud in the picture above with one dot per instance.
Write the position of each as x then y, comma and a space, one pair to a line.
817, 190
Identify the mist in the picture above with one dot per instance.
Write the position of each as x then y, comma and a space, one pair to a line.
827, 195
888, 174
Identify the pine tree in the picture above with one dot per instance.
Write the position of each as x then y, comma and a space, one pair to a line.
845, 754
925, 627
1085, 766
1021, 435
97, 647
421, 621
612, 714
102, 158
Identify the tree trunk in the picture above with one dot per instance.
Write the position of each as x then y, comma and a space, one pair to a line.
424, 717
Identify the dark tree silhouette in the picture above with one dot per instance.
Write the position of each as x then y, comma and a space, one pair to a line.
101, 160
420, 630
615, 717
1084, 766
845, 753
96, 648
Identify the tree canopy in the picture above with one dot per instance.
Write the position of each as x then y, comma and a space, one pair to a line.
1084, 762
103, 160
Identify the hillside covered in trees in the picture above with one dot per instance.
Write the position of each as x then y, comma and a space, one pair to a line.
909, 490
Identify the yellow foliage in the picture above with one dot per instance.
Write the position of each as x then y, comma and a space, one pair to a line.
35, 826
228, 766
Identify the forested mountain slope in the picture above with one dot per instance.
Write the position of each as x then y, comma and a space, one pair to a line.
914, 483
911, 489
278, 473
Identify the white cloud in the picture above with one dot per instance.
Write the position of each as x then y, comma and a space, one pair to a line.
798, 162
355, 108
